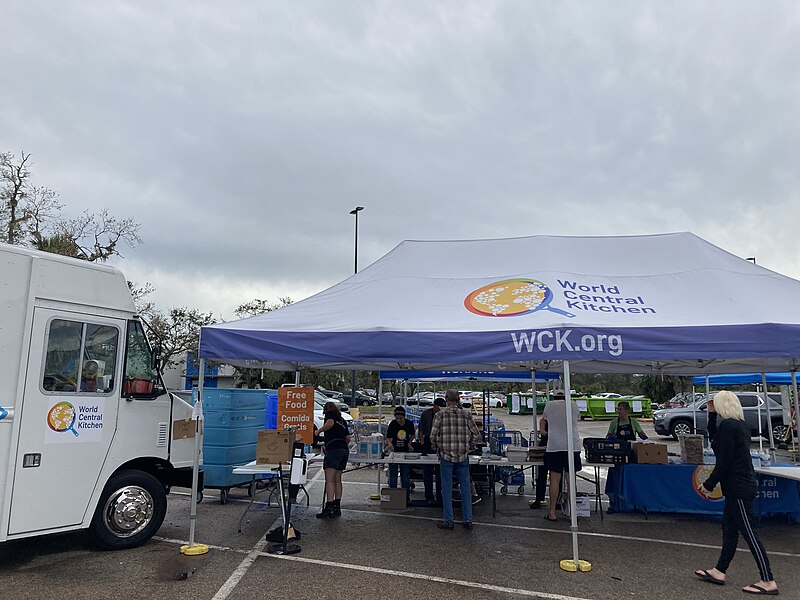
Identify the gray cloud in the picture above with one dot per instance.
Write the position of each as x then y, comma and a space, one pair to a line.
241, 135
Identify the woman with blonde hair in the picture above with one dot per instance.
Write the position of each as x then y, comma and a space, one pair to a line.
734, 472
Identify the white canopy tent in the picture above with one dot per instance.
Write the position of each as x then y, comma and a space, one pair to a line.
671, 304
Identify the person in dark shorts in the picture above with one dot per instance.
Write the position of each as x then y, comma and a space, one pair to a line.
337, 453
556, 460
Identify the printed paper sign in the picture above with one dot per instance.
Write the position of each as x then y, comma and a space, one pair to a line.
296, 409
581, 405
637, 406
611, 406
73, 421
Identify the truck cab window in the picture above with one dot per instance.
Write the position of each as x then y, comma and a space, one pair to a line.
80, 357
99, 358
141, 376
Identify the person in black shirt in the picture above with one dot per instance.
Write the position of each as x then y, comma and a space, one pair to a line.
734, 472
428, 471
399, 435
337, 453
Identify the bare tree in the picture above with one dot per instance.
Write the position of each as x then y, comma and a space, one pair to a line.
97, 236
14, 176
175, 331
32, 215
257, 377
259, 306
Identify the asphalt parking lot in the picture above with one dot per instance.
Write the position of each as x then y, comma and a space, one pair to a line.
401, 554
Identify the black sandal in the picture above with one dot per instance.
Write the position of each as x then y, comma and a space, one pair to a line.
706, 576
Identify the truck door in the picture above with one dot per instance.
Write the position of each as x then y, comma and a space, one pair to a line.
69, 416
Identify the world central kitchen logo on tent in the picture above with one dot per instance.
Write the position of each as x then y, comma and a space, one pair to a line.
515, 297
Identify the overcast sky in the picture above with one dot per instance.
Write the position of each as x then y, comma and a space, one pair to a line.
240, 134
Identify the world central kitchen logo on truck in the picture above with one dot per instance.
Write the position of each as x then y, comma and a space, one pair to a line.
82, 419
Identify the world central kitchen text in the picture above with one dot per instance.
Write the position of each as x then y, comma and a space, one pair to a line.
602, 298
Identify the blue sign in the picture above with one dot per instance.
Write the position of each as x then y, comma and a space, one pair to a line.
3, 413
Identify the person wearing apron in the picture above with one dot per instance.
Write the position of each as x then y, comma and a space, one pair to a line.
626, 428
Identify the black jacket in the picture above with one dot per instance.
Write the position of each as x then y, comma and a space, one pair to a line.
734, 468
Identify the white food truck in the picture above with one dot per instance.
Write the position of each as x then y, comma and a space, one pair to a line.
86, 426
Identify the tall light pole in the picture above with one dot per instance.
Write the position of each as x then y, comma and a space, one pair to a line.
355, 212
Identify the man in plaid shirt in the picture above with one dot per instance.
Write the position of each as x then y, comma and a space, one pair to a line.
453, 435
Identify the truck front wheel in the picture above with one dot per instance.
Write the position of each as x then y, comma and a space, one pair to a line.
131, 510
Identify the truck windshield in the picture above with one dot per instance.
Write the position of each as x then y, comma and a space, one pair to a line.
141, 375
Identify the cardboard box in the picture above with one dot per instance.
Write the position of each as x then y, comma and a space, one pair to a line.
274, 446
583, 506
650, 454
183, 429
393, 498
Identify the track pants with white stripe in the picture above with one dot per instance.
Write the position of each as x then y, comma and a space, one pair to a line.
738, 517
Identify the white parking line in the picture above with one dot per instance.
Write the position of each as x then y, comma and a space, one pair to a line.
424, 577
568, 532
254, 553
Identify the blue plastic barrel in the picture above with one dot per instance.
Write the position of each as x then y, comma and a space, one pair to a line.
271, 421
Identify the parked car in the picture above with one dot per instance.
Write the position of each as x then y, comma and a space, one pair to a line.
361, 399
330, 393
369, 392
319, 397
319, 413
607, 396
421, 398
679, 421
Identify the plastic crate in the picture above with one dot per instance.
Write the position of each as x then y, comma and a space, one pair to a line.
233, 398
604, 444
609, 457
228, 455
221, 476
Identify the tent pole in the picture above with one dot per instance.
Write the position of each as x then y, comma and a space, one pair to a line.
760, 439
708, 393
796, 410
533, 391
769, 413
573, 480
380, 401
380, 420
297, 376
193, 549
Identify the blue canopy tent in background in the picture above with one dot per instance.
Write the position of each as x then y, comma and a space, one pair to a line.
743, 379
757, 378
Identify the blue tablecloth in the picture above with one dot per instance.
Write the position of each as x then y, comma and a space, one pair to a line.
673, 488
